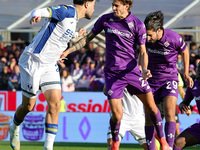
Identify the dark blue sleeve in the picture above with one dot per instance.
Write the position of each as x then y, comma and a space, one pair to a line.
61, 12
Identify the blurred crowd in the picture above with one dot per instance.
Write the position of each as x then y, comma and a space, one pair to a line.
194, 50
82, 71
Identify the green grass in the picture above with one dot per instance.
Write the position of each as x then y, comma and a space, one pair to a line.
75, 146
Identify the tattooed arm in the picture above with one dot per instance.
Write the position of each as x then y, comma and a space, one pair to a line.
78, 45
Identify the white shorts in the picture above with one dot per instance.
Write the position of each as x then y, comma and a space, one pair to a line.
136, 128
35, 75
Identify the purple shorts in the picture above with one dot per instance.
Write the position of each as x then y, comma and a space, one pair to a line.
161, 89
133, 81
194, 130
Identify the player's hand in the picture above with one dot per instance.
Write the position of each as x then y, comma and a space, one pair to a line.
34, 20
63, 55
188, 80
188, 112
184, 108
146, 74
81, 32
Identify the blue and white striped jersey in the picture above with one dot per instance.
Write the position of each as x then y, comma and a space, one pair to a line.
52, 39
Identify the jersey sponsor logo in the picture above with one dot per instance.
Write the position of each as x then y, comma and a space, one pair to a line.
166, 44
161, 52
115, 31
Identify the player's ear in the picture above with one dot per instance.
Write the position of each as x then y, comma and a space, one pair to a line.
86, 4
127, 6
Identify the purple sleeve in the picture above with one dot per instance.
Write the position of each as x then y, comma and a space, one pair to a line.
188, 95
180, 44
141, 34
98, 26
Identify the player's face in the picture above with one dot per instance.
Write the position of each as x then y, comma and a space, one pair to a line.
90, 9
120, 11
152, 36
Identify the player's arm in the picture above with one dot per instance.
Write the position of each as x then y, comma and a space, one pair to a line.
143, 61
187, 78
184, 107
182, 94
37, 14
78, 45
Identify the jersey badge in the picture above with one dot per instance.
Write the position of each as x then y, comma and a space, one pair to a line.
166, 44
110, 92
130, 24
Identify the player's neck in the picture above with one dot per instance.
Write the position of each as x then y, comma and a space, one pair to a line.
80, 11
160, 34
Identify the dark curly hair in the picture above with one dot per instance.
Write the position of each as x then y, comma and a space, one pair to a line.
154, 21
81, 2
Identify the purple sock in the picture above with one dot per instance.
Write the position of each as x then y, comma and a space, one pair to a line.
170, 129
157, 121
114, 130
150, 138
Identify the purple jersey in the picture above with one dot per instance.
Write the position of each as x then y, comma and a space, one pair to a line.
163, 55
122, 38
193, 93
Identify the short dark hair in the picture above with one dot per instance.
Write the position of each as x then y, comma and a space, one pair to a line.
154, 21
80, 2
130, 2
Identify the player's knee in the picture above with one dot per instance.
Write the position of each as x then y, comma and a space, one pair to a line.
27, 107
179, 142
54, 107
117, 117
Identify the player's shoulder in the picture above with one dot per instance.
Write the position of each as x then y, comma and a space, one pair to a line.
70, 10
107, 16
171, 35
66, 10
135, 19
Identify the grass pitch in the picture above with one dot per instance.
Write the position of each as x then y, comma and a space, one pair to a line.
76, 146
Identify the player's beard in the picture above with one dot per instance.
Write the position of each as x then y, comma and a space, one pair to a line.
88, 16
